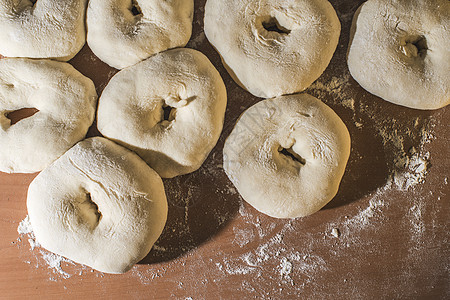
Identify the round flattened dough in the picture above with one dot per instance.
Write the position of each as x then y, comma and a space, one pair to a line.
287, 155
131, 110
400, 51
46, 29
265, 62
99, 205
66, 101
121, 39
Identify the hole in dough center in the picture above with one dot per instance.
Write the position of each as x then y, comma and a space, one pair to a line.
135, 9
20, 114
168, 113
33, 2
289, 153
416, 46
272, 24
91, 213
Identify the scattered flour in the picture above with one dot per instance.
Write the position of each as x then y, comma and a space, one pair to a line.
410, 166
54, 263
51, 260
26, 229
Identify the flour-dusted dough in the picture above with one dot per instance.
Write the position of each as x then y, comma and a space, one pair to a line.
264, 61
400, 51
99, 204
287, 155
124, 32
45, 29
66, 101
134, 110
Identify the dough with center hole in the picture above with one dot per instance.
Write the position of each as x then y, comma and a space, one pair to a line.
122, 33
99, 205
45, 29
287, 155
169, 109
272, 48
66, 101
400, 51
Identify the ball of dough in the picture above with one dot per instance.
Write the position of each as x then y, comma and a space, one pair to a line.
43, 29
400, 51
287, 155
65, 100
272, 48
122, 33
169, 109
99, 205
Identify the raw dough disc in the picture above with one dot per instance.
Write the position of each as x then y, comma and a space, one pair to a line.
66, 101
122, 33
287, 155
400, 51
99, 204
169, 109
273, 47
44, 29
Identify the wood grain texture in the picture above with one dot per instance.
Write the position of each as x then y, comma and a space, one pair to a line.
392, 243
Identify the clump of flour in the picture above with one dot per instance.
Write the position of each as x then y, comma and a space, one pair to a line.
26, 229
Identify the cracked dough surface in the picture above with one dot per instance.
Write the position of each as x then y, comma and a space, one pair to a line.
121, 39
131, 110
45, 29
400, 51
66, 101
264, 61
287, 155
99, 205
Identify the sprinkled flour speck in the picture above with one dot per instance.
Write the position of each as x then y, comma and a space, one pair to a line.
335, 232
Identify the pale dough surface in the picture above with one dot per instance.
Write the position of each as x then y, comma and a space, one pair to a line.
99, 204
131, 110
265, 62
121, 39
47, 29
66, 101
400, 51
287, 155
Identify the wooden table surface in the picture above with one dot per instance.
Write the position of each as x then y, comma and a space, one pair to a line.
384, 236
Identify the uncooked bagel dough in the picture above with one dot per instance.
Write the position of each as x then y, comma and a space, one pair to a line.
272, 48
169, 109
66, 101
286, 156
99, 204
124, 32
45, 29
400, 51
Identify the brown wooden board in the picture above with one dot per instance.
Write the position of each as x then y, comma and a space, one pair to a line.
391, 213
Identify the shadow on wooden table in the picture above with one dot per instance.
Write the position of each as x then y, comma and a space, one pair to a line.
200, 205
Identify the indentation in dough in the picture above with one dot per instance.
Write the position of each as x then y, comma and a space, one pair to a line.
292, 155
169, 113
89, 212
169, 108
135, 8
20, 114
272, 24
415, 46
306, 115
